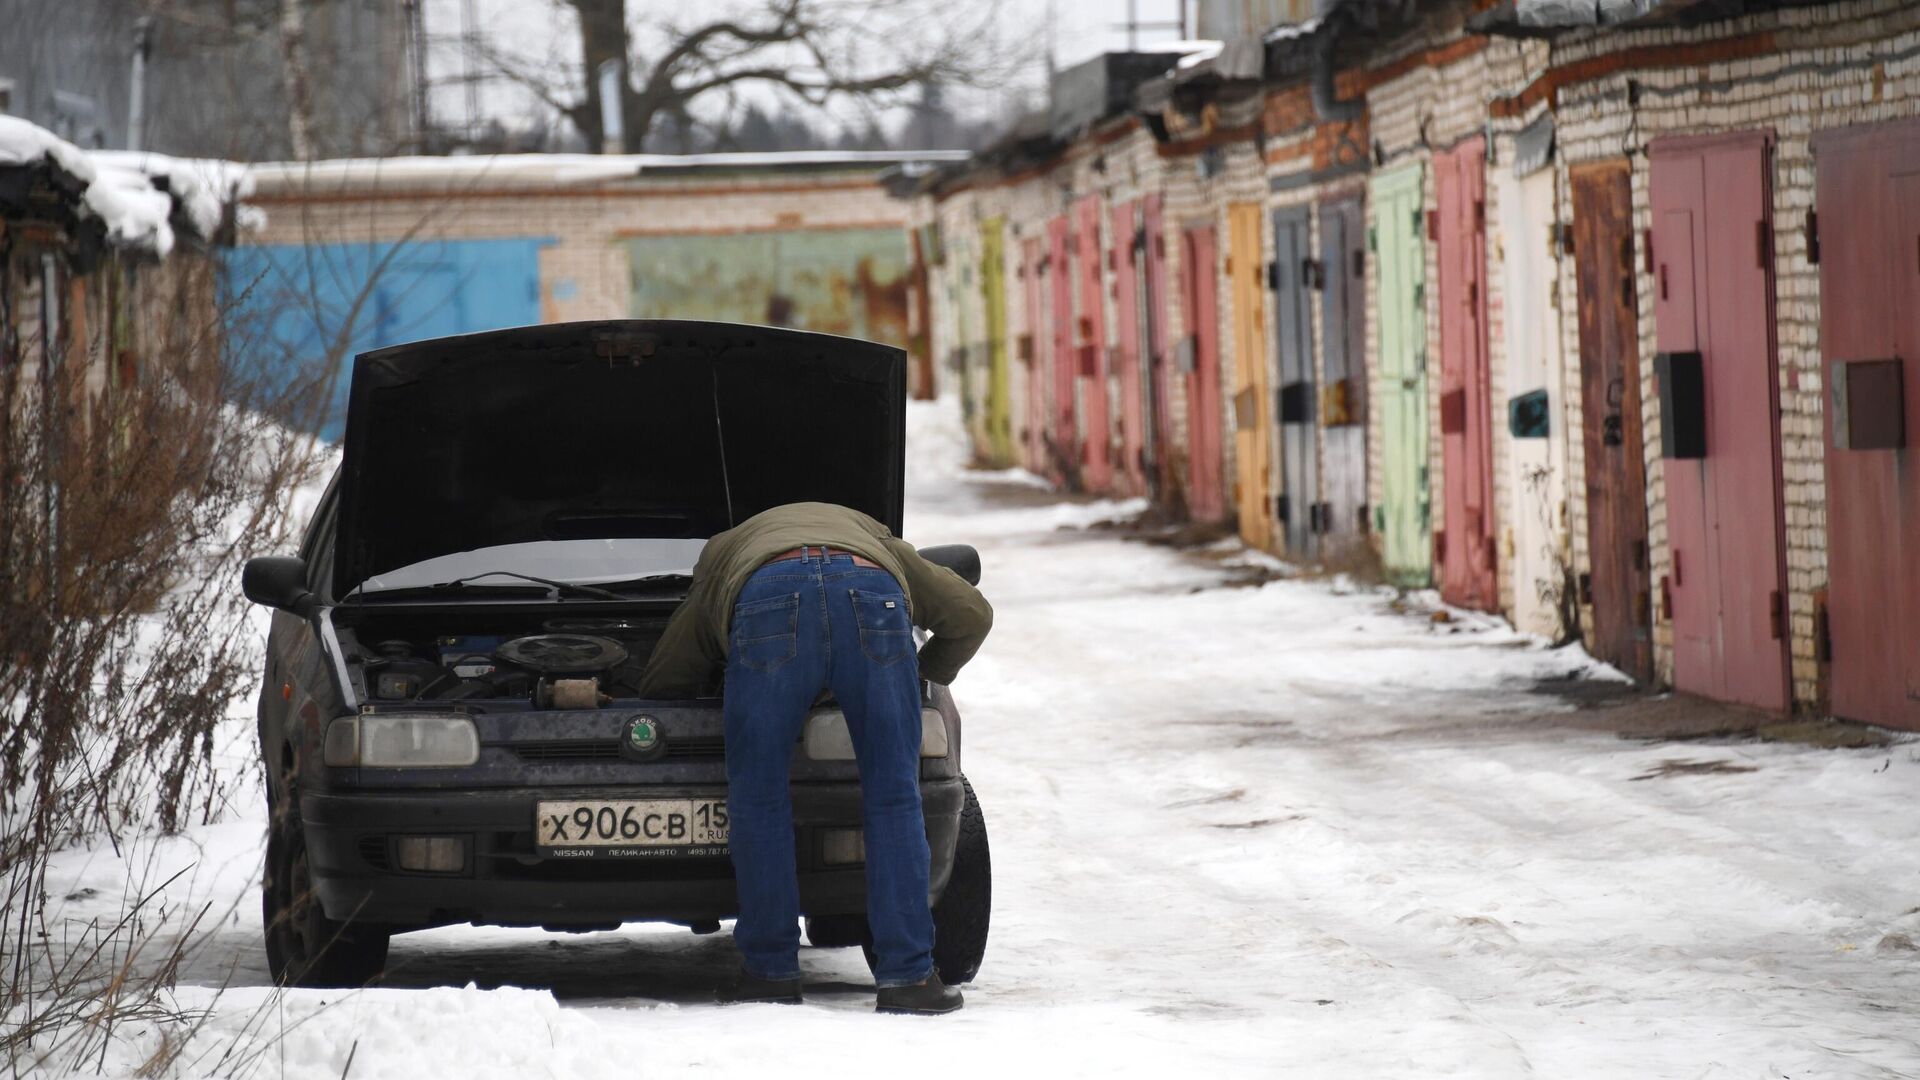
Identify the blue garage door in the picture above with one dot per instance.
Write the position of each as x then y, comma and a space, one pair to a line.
292, 306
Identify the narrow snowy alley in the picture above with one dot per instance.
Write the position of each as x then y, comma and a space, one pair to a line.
1292, 829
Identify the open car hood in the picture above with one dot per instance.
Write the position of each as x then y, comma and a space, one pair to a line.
624, 428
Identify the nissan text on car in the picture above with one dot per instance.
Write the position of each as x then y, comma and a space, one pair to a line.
448, 719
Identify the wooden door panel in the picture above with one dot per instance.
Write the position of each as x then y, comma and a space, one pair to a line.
1467, 558
1126, 352
1300, 489
1617, 574
1091, 334
1063, 444
1536, 467
1867, 186
1343, 391
1405, 514
1038, 347
1199, 268
993, 289
1168, 482
1253, 421
1726, 537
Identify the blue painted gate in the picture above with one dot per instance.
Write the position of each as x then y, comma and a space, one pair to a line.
292, 305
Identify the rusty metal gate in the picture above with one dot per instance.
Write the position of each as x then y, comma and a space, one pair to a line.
1128, 363
1464, 547
1866, 238
1617, 583
1713, 307
1343, 395
1293, 279
1091, 324
1200, 360
1252, 410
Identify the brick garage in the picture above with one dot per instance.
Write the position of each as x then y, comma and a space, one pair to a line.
540, 238
1587, 98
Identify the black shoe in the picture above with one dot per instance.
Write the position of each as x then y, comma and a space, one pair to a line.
751, 990
930, 998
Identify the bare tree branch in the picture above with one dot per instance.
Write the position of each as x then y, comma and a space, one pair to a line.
814, 51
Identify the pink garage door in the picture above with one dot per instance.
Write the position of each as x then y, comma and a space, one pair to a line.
1091, 322
1713, 296
1465, 543
1868, 199
1199, 278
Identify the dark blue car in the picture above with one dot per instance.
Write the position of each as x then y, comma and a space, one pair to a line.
448, 718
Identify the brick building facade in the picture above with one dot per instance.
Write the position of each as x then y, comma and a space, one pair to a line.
1494, 345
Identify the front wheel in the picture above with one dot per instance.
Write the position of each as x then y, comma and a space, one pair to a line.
304, 947
960, 918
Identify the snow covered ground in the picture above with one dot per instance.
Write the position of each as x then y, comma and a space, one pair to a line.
1276, 831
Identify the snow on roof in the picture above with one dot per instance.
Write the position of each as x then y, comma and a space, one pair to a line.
1185, 45
204, 187
1202, 52
121, 189
547, 170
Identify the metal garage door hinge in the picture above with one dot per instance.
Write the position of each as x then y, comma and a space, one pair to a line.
1813, 237
1776, 614
1762, 243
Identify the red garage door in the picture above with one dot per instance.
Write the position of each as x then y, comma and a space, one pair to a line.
1466, 551
1868, 200
1713, 307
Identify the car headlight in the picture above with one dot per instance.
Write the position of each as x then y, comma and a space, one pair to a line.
398, 741
827, 739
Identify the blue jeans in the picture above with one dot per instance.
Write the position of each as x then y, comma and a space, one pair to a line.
801, 626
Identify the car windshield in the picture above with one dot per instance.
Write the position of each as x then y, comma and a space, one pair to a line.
578, 562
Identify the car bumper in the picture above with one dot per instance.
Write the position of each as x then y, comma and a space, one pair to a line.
504, 881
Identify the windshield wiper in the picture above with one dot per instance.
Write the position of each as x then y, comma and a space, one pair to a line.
556, 586
650, 579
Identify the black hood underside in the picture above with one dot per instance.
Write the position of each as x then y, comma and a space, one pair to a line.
630, 428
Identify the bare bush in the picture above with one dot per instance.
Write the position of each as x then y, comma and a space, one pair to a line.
144, 459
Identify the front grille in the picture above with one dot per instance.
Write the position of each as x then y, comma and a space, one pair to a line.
597, 750
685, 748
373, 849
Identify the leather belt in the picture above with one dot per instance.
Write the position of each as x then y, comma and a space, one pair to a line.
826, 552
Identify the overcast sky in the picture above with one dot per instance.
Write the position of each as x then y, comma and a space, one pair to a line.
1081, 29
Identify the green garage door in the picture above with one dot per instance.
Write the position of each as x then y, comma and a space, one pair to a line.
1405, 515
851, 282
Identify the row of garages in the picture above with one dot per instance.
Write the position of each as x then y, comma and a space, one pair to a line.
1606, 325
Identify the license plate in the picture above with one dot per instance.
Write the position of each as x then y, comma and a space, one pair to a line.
631, 828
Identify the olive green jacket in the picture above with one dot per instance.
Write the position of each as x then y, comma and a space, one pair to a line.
694, 647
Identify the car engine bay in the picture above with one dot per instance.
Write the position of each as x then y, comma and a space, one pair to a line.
559, 661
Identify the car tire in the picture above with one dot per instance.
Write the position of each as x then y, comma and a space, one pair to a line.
966, 907
961, 917
304, 947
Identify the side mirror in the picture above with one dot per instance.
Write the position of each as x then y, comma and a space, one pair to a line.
278, 581
962, 559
